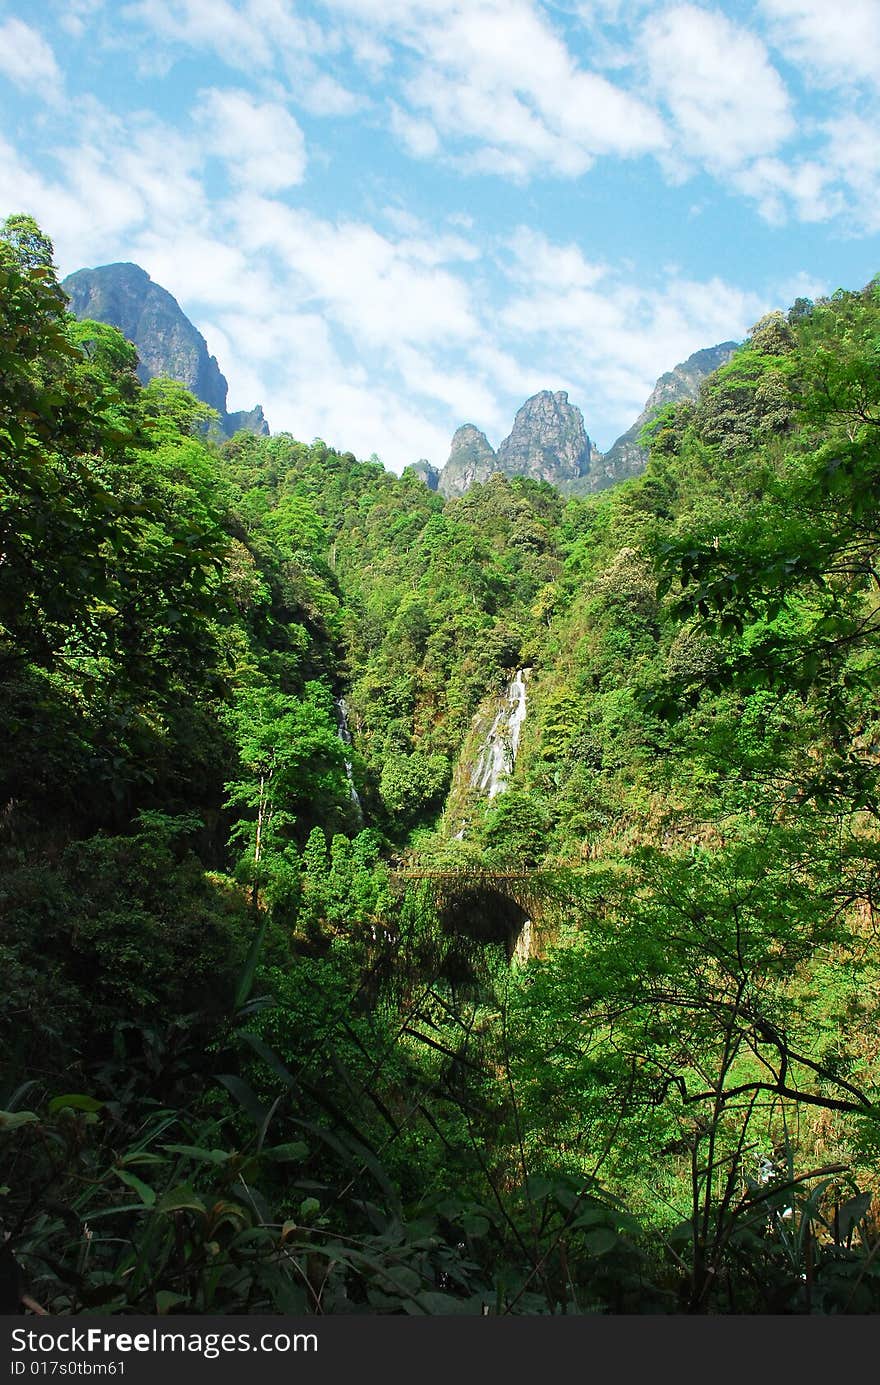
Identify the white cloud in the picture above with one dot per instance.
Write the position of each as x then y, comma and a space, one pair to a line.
418, 136
376, 342
807, 186
59, 212
728, 102
285, 360
836, 43
113, 178
383, 337
614, 11
318, 93
854, 153
543, 264
339, 330
802, 285
377, 289
74, 16
255, 35
376, 419
261, 142
215, 25
27, 59
371, 55
203, 266
841, 183
615, 337
496, 74
465, 394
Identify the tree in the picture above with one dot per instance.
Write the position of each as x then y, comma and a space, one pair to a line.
293, 768
56, 514
412, 783
31, 247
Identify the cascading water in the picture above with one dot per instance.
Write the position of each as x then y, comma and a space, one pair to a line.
498, 755
342, 728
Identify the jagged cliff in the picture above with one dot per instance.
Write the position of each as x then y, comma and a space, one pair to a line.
426, 472
627, 457
471, 458
549, 440
124, 296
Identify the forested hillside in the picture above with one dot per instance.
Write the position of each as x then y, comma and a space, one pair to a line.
328, 993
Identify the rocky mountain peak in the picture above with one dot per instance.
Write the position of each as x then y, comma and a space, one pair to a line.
548, 440
627, 457
124, 296
425, 472
471, 458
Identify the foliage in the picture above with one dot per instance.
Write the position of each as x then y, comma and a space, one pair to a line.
298, 1022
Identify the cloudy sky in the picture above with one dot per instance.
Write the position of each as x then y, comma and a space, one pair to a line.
389, 217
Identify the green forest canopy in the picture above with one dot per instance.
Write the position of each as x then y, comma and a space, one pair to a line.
256, 1058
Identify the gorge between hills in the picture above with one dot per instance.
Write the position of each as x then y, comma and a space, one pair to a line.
442, 893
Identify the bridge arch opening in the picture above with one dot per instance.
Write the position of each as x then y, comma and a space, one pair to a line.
483, 913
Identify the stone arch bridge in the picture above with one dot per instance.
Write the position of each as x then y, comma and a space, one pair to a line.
517, 907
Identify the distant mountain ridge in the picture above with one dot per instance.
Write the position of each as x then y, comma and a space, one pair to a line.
124, 296
549, 441
626, 456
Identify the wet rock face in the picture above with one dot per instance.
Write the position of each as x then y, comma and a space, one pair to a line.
124, 296
548, 440
471, 458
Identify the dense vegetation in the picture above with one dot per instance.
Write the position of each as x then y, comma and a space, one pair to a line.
274, 1045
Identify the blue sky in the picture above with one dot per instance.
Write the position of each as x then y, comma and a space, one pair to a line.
390, 217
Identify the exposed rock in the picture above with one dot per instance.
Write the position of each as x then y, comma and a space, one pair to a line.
251, 420
425, 472
470, 459
548, 441
627, 457
124, 296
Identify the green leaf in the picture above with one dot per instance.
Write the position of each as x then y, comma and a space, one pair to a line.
591, 1216
11, 1120
474, 1224
75, 1101
146, 1194
180, 1199
245, 1097
205, 1156
166, 1300
292, 1152
246, 979
403, 1278
851, 1212
538, 1187
601, 1240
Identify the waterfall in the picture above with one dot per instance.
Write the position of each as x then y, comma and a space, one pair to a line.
345, 736
522, 947
495, 764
